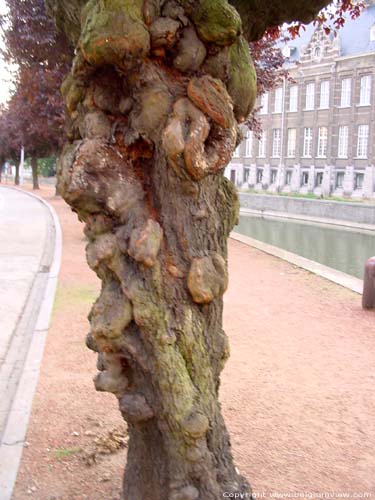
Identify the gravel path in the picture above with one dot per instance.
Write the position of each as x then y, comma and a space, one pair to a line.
297, 392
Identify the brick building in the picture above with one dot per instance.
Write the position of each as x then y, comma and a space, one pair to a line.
318, 131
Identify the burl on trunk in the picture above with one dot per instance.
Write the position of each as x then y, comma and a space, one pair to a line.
154, 99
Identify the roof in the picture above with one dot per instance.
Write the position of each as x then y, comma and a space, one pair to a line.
353, 37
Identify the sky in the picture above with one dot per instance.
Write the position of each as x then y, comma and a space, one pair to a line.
5, 75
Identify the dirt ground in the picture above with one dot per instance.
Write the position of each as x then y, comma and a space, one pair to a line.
297, 392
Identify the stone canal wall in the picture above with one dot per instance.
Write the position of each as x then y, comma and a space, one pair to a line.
358, 213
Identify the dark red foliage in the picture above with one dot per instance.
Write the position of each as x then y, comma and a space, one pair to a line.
268, 61
332, 18
35, 112
9, 146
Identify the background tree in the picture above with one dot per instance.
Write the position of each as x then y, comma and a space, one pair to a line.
43, 57
154, 99
9, 146
268, 63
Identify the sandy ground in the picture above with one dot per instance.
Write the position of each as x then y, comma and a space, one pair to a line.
297, 392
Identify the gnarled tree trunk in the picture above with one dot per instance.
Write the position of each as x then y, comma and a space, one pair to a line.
154, 97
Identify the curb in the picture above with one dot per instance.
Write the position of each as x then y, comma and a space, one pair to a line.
343, 224
338, 277
11, 446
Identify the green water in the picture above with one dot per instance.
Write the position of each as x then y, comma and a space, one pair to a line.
344, 249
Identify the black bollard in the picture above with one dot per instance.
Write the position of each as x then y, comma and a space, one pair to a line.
368, 297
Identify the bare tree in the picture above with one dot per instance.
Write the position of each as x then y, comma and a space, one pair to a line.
154, 99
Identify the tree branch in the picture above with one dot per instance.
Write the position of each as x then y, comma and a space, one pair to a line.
258, 15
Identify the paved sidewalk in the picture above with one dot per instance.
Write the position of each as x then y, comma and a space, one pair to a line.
27, 248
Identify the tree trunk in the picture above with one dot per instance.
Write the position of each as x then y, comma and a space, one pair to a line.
57, 187
153, 111
34, 168
17, 175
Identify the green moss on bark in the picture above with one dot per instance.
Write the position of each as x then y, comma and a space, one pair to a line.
242, 83
113, 32
215, 20
73, 93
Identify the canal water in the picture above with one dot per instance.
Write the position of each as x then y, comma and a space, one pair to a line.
339, 247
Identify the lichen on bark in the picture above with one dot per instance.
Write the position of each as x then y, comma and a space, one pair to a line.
153, 102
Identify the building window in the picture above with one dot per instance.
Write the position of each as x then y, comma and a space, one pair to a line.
278, 107
310, 91
276, 144
343, 142
293, 98
305, 178
362, 143
248, 143
288, 178
307, 142
322, 142
365, 95
233, 176
246, 174
324, 95
236, 152
317, 52
372, 33
319, 179
346, 92
358, 181
262, 145
273, 176
340, 176
263, 104
259, 175
292, 139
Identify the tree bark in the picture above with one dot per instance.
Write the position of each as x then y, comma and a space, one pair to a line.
17, 175
34, 169
154, 100
57, 187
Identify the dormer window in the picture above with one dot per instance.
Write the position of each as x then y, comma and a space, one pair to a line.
372, 33
317, 52
286, 51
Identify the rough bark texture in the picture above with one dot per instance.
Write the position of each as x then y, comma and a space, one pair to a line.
34, 169
153, 101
